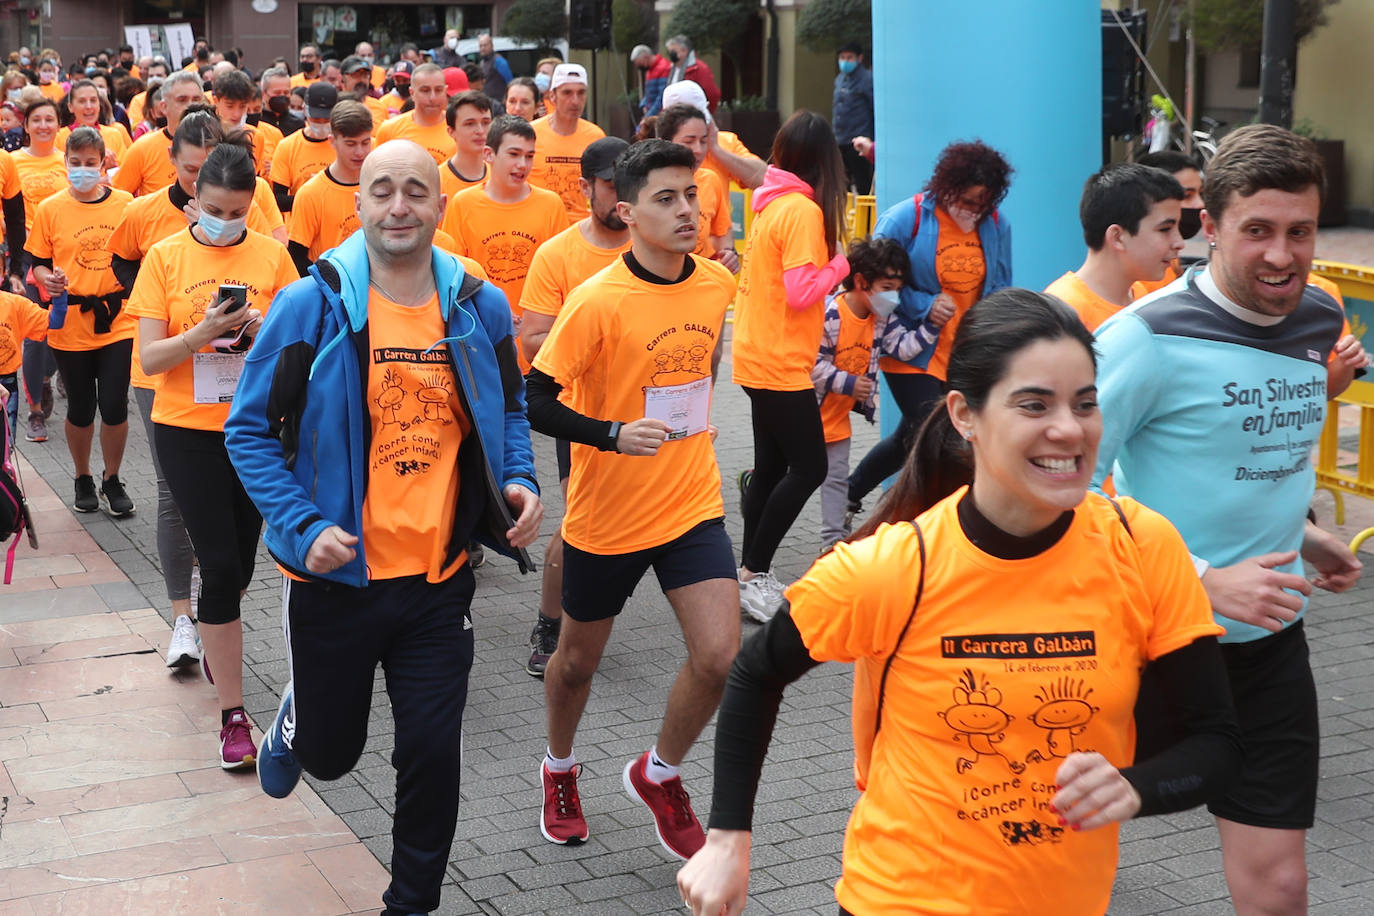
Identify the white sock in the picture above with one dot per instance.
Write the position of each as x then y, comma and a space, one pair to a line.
559, 764
656, 770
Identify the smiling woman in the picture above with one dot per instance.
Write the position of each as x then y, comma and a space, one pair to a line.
1036, 750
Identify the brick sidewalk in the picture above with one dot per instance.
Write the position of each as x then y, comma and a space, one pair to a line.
501, 865
112, 797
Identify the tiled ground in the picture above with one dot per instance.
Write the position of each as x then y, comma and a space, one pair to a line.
112, 800
501, 865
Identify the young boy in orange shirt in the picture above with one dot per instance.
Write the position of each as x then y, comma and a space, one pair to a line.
1130, 216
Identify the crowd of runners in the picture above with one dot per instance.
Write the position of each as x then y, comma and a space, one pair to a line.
1081, 602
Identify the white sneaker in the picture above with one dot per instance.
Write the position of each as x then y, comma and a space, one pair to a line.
185, 646
760, 597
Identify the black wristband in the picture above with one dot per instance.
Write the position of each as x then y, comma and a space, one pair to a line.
614, 435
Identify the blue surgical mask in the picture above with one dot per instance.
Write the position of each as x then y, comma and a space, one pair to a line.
25, 61
14, 95
848, 66
884, 303
82, 178
542, 81
222, 231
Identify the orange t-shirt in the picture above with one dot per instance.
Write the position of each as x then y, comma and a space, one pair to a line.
960, 269
147, 164
713, 206
324, 214
9, 176
271, 139
136, 106
418, 425
39, 179
266, 202
445, 242
558, 162
298, 159
435, 140
731, 143
300, 79
853, 353
1141, 288
378, 109
115, 136
20, 319
503, 237
987, 696
75, 235
559, 265
1091, 308
450, 182
146, 221
620, 347
53, 90
775, 345
179, 279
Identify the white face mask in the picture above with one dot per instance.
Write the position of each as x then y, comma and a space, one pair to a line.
966, 220
884, 303
452, 44
317, 130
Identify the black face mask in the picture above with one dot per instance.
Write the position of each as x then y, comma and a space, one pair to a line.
403, 90
254, 117
307, 66
1189, 222
279, 105
672, 56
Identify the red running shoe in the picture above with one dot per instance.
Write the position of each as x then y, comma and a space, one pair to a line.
561, 819
674, 821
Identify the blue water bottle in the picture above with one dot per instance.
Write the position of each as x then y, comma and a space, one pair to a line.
57, 312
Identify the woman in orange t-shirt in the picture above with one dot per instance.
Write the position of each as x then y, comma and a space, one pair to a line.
193, 334
85, 107
42, 173
685, 125
960, 250
999, 618
94, 341
792, 260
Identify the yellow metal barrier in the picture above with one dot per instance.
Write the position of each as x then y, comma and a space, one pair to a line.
860, 213
1355, 283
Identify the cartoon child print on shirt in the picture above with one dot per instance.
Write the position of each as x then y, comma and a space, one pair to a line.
978, 718
1064, 713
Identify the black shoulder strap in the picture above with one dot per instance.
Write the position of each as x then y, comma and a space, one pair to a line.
887, 665
1121, 515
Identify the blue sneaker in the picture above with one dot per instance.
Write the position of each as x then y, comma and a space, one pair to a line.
278, 769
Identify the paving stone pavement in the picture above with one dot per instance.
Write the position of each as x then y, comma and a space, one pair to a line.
501, 865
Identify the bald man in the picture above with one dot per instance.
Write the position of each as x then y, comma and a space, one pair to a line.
382, 366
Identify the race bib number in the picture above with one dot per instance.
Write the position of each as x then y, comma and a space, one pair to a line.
216, 376
685, 408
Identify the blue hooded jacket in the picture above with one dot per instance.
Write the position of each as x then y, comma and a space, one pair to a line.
921, 239
299, 431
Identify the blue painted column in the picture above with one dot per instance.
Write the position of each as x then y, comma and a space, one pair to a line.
1025, 78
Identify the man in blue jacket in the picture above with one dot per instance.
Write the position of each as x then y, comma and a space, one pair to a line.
379, 426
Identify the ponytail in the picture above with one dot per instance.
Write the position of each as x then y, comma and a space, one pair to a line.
940, 462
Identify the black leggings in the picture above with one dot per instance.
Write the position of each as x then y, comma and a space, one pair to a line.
220, 518
96, 377
916, 395
789, 465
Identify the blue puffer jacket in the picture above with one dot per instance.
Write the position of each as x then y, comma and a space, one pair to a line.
299, 431
921, 238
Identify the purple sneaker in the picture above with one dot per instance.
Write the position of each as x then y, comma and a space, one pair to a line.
236, 748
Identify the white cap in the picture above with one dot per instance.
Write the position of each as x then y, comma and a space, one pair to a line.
686, 92
566, 74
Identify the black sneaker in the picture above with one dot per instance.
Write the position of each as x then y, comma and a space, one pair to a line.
742, 482
477, 557
86, 500
116, 500
543, 643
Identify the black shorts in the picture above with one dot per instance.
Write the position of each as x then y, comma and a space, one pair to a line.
562, 450
1276, 701
596, 586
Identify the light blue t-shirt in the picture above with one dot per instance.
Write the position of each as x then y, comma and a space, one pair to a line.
1210, 419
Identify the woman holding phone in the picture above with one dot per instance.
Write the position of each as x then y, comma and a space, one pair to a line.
193, 328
